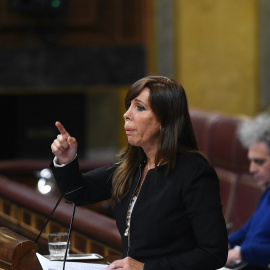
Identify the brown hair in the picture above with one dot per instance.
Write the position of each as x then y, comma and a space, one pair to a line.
169, 102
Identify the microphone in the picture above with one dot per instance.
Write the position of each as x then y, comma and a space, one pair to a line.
71, 222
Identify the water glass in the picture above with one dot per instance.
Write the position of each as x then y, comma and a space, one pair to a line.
57, 243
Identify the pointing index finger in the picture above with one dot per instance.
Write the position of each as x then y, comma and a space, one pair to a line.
61, 129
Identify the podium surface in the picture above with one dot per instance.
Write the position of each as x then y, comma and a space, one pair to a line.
17, 252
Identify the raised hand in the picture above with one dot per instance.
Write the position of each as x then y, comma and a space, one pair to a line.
64, 146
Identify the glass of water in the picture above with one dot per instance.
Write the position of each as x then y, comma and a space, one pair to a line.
57, 243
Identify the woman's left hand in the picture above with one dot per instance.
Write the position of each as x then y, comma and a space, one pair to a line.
125, 264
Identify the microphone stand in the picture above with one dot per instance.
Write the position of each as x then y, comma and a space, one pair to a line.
70, 225
49, 218
69, 232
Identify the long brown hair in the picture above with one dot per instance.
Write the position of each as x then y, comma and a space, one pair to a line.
169, 102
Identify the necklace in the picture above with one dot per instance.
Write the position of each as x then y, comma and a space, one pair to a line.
130, 208
132, 202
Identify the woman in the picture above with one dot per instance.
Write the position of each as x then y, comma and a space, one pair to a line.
167, 202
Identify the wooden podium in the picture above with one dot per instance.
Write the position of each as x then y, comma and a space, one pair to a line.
17, 252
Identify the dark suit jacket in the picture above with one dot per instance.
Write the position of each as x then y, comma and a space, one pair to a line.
177, 221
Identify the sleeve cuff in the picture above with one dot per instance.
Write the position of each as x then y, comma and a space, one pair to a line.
57, 165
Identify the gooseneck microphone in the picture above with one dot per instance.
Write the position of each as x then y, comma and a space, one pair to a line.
50, 216
71, 222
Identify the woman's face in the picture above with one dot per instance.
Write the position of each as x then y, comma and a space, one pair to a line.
141, 124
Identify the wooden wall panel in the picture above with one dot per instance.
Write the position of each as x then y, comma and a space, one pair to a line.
82, 22
217, 54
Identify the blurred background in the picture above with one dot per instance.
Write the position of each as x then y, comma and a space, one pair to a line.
72, 61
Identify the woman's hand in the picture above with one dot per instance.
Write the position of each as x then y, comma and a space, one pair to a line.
64, 146
234, 255
125, 264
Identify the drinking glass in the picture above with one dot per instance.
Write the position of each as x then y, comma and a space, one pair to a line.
57, 243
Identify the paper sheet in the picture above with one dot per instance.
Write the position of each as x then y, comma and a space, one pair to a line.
46, 264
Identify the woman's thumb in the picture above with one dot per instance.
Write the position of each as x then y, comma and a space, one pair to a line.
72, 142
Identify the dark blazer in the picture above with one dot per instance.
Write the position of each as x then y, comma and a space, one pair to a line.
177, 221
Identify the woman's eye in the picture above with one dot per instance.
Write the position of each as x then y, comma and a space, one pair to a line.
140, 108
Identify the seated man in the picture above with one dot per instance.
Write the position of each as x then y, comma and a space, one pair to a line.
251, 243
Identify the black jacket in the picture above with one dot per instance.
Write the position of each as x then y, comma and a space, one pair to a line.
177, 221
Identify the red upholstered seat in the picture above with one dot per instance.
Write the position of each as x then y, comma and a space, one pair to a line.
217, 139
201, 123
247, 197
223, 143
228, 181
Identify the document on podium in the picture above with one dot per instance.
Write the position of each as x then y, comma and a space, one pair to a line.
46, 264
238, 266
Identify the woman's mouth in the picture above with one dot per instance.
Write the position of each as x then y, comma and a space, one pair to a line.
129, 130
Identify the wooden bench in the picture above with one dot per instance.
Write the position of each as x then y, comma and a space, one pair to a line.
25, 210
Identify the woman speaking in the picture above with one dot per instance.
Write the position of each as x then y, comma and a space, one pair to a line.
166, 194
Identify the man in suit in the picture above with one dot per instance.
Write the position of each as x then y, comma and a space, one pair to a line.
251, 243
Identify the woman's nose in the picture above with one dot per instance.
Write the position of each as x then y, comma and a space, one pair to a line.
127, 114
